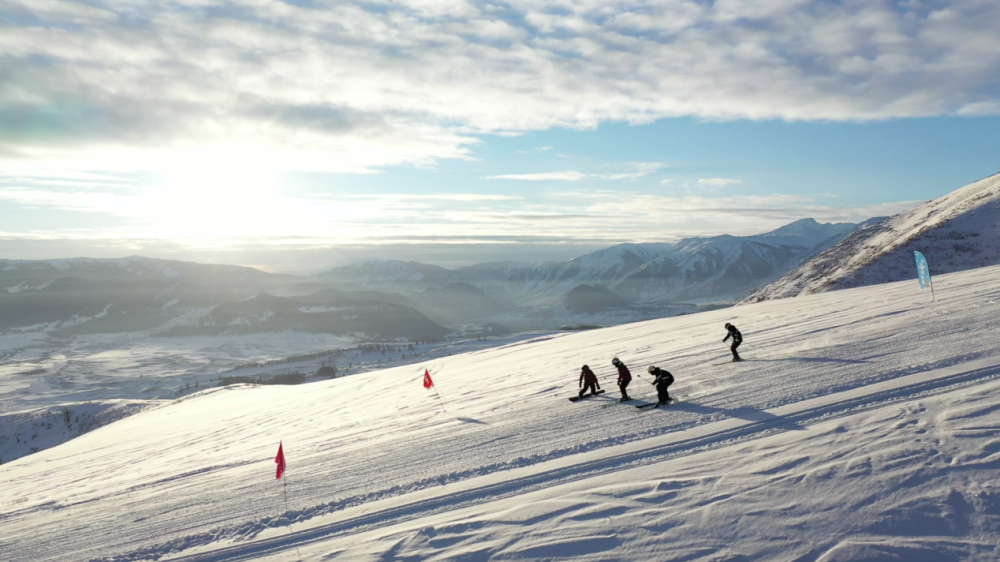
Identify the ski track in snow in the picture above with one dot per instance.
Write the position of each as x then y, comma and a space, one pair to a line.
200, 474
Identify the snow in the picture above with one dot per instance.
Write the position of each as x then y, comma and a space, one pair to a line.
20, 431
947, 230
24, 286
864, 426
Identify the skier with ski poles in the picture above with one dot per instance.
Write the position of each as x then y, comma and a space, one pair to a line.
663, 379
737, 340
624, 377
588, 380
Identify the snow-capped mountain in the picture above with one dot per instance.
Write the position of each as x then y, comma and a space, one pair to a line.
84, 295
697, 269
956, 232
389, 275
136, 268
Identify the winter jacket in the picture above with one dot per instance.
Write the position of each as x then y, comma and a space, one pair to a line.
588, 377
623, 374
737, 336
663, 377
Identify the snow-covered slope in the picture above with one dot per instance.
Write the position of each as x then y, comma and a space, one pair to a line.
864, 426
24, 433
956, 232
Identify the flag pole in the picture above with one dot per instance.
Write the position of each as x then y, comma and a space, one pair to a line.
439, 398
284, 483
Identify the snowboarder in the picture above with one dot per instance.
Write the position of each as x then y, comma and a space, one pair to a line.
737, 340
624, 377
588, 380
663, 379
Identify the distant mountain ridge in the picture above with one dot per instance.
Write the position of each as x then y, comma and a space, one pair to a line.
398, 299
956, 232
694, 269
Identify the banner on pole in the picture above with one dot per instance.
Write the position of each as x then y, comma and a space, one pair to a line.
427, 379
923, 272
280, 459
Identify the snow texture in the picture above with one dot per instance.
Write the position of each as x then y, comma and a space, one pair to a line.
865, 425
956, 232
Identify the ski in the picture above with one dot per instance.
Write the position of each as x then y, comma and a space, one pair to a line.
653, 404
728, 362
575, 398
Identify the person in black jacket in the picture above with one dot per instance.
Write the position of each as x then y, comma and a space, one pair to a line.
663, 379
737, 340
588, 380
624, 377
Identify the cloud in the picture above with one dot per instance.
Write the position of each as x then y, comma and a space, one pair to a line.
352, 87
544, 176
249, 213
638, 170
717, 182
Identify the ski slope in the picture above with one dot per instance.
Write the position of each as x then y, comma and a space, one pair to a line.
863, 427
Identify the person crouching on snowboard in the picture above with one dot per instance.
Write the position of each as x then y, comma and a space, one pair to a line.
737, 340
624, 377
588, 380
662, 381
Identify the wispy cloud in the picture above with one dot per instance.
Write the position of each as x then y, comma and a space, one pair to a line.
543, 176
717, 182
637, 170
250, 215
355, 86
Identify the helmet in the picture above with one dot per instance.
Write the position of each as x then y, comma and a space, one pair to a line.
728, 325
652, 368
615, 361
586, 368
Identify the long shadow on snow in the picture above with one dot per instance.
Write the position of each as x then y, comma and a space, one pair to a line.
747, 413
811, 359
540, 480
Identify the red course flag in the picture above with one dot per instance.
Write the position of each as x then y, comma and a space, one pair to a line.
280, 459
427, 379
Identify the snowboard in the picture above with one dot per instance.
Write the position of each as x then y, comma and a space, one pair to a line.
575, 398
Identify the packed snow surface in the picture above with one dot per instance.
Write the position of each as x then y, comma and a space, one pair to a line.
864, 426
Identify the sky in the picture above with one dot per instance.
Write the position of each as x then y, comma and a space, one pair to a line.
300, 134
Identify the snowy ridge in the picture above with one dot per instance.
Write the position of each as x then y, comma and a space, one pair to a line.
856, 430
720, 268
24, 433
956, 232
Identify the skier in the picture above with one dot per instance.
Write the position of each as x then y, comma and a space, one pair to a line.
588, 380
662, 381
624, 377
737, 340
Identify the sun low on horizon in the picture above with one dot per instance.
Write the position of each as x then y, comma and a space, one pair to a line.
284, 132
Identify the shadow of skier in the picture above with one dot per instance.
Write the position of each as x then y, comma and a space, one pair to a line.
748, 413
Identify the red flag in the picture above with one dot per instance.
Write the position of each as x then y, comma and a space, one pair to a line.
280, 459
427, 379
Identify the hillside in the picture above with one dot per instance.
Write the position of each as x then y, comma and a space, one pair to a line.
956, 232
709, 269
857, 430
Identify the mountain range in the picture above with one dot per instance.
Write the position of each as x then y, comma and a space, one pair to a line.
956, 232
396, 299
